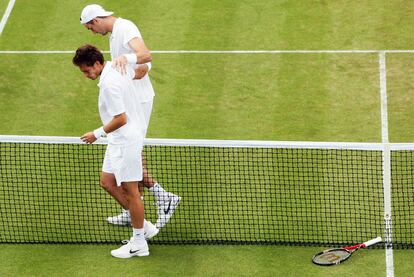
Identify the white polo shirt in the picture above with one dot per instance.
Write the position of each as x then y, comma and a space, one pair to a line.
122, 33
117, 95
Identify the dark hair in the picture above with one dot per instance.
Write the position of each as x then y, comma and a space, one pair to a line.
87, 55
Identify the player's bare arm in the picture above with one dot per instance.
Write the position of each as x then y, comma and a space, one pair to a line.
141, 71
142, 55
117, 122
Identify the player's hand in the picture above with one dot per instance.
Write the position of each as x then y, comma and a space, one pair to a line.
141, 71
120, 64
88, 138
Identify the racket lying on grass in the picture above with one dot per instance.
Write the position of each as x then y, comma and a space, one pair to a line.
338, 255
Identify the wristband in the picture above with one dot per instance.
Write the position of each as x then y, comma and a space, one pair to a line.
149, 65
99, 132
131, 58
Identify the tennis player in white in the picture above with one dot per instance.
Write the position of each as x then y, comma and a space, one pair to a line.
127, 47
124, 125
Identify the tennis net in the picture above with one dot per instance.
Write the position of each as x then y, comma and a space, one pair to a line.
244, 192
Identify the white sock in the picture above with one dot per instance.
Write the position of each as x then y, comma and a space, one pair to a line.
138, 233
159, 192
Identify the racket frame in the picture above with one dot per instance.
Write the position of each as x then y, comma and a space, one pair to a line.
350, 249
338, 261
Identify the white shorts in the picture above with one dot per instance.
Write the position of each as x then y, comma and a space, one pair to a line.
124, 162
147, 109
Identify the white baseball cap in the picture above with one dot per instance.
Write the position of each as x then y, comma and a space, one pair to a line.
92, 11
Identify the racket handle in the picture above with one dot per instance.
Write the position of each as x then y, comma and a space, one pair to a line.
372, 242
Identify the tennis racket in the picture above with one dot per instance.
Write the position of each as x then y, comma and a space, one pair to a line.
338, 255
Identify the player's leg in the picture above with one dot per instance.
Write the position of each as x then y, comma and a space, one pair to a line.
166, 201
127, 167
149, 229
137, 245
108, 183
135, 205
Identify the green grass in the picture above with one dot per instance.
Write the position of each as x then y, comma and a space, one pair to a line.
207, 96
3, 6
267, 97
322, 97
403, 262
194, 24
47, 95
94, 260
400, 90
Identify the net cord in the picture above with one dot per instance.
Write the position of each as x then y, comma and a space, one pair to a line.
216, 143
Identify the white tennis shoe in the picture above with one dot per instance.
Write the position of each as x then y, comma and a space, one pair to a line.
133, 247
166, 208
122, 219
150, 230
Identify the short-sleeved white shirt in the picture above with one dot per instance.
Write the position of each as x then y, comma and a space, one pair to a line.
116, 96
122, 33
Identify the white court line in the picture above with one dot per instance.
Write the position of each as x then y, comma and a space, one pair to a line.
389, 256
6, 15
42, 52
384, 102
222, 51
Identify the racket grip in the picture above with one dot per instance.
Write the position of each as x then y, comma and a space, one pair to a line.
372, 242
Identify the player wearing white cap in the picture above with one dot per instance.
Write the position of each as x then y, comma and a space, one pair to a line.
128, 49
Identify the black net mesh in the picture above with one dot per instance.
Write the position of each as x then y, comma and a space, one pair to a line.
50, 193
402, 192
